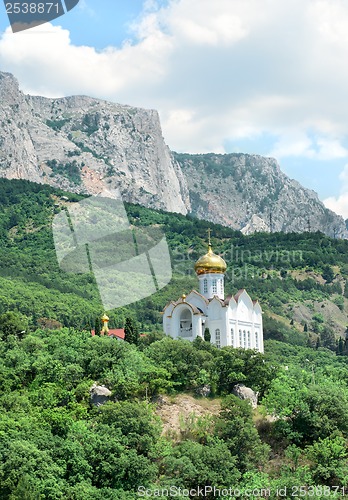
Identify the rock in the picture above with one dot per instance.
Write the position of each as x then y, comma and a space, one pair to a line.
230, 189
87, 145
243, 392
91, 146
158, 400
203, 390
255, 225
99, 394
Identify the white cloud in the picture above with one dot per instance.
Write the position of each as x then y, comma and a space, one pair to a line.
339, 204
217, 71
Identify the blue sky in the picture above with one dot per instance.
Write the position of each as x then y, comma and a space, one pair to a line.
255, 76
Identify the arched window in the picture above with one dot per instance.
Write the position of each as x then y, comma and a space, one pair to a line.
217, 338
244, 338
249, 341
214, 286
205, 286
232, 337
256, 340
185, 324
240, 338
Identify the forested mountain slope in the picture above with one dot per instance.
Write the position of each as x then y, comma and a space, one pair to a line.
299, 277
55, 444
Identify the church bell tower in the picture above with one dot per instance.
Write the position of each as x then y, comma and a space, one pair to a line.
210, 269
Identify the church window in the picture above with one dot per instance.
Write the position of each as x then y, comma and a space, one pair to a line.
214, 286
205, 286
232, 337
240, 338
217, 338
249, 344
244, 338
256, 340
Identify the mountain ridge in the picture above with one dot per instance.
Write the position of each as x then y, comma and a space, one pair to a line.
87, 145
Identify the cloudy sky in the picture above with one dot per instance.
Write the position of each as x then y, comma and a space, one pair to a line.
259, 76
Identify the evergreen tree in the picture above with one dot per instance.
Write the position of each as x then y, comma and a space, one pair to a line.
328, 274
328, 339
305, 328
207, 335
97, 326
317, 344
345, 292
131, 332
340, 347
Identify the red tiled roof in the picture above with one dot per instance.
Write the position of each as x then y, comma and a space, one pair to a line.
113, 332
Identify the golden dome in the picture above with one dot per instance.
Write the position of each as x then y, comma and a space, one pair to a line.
210, 263
105, 318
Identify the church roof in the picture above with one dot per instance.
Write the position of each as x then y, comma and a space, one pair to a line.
113, 332
195, 309
210, 263
239, 293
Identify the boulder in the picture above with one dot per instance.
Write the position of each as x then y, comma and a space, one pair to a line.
203, 390
99, 394
243, 392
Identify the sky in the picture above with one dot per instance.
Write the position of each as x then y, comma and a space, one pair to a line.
267, 77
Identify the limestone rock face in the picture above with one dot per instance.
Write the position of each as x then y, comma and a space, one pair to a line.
243, 392
87, 145
232, 189
255, 225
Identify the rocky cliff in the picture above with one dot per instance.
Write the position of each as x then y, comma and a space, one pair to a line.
92, 146
251, 193
89, 146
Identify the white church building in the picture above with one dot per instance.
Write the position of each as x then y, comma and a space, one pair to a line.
232, 321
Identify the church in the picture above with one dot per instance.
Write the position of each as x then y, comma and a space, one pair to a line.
232, 321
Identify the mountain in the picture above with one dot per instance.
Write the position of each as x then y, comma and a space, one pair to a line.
87, 145
250, 192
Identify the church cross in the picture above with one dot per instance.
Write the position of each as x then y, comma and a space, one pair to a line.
209, 234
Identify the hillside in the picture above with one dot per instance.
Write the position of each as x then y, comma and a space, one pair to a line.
87, 145
298, 277
155, 432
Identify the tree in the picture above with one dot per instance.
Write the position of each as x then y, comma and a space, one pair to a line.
327, 338
236, 428
12, 323
340, 347
131, 332
97, 326
328, 274
207, 335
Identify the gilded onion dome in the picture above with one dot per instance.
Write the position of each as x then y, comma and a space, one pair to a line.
210, 263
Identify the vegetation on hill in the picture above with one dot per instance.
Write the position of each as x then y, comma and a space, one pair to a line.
55, 444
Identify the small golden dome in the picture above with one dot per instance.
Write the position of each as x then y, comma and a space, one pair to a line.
183, 297
105, 318
210, 263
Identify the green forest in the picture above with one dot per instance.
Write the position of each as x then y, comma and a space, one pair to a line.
55, 444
